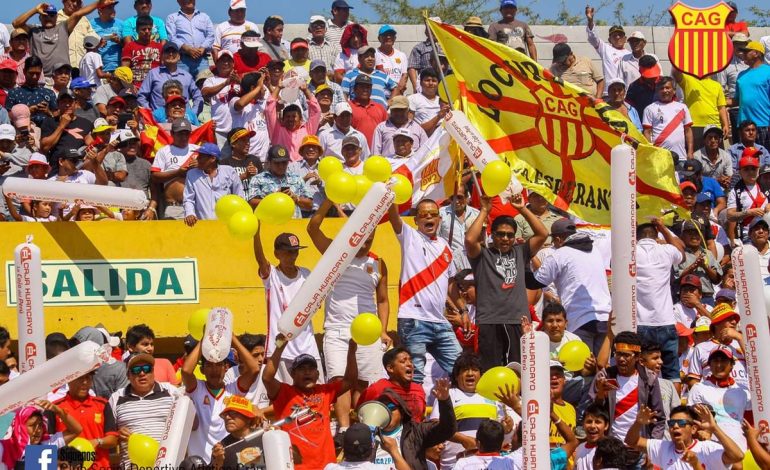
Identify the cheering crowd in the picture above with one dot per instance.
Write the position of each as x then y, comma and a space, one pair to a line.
249, 112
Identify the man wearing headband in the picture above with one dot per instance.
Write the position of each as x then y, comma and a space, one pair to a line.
615, 387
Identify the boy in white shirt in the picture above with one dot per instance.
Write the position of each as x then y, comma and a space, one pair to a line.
667, 123
91, 64
596, 423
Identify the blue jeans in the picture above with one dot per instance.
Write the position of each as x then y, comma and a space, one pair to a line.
419, 337
593, 334
666, 337
194, 66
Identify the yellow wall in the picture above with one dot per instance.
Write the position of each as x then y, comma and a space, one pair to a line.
226, 268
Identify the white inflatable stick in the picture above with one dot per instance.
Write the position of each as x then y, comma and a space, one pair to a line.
623, 213
29, 298
59, 191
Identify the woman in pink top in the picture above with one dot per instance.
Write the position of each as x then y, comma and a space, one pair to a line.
290, 130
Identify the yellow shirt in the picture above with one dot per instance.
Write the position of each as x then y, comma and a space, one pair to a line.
704, 97
566, 413
290, 64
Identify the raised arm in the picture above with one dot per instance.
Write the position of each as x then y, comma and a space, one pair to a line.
249, 369
706, 422
383, 303
21, 20
259, 254
540, 232
350, 378
273, 385
474, 233
189, 380
74, 18
319, 239
395, 219
634, 438
670, 238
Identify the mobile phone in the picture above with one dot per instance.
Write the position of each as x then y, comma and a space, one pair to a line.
613, 382
123, 118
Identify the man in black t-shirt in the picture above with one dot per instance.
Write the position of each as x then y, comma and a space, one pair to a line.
498, 270
65, 132
245, 164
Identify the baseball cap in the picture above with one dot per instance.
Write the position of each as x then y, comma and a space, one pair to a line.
691, 225
241, 405
722, 351
508, 3
399, 102
649, 66
723, 312
690, 280
124, 74
473, 21
514, 366
615, 81
50, 10
171, 98
757, 221
690, 167
749, 152
298, 43
403, 133
181, 125
237, 4
316, 63
725, 293
682, 330
557, 365
239, 133
9, 64
317, 19
702, 324
139, 358
20, 115
754, 46
170, 47
702, 197
289, 241
637, 35
563, 226
713, 128
351, 140
764, 169
116, 100
7, 132
358, 440
65, 93
250, 39
101, 125
310, 139
125, 135
688, 184
733, 5
224, 53
561, 52
617, 29
71, 153
38, 159
363, 50
740, 37
91, 42
342, 107
277, 153
80, 83
19, 32
322, 87
386, 28
341, 4
302, 359
748, 160
363, 79
62, 65
210, 150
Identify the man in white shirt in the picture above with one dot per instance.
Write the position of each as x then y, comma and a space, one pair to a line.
655, 308
389, 59
331, 139
683, 451
667, 123
170, 168
611, 54
426, 267
227, 35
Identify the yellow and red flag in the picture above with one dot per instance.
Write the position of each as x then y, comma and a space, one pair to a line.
153, 137
700, 45
555, 139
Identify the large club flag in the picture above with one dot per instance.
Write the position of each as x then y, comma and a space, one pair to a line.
432, 170
153, 137
554, 136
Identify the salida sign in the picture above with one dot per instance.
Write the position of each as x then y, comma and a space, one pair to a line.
110, 282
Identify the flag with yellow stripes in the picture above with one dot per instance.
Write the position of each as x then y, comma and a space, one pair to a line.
556, 138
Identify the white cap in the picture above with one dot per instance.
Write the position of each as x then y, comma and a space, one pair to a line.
615, 80
224, 53
637, 35
113, 341
342, 107
251, 42
7, 132
236, 4
403, 132
38, 159
316, 18
124, 135
556, 364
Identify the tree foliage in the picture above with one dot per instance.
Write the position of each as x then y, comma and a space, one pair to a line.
450, 11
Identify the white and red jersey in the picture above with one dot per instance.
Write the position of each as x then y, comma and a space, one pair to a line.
354, 292
584, 456
730, 403
211, 427
394, 64
668, 121
426, 267
626, 405
664, 455
698, 367
280, 290
170, 158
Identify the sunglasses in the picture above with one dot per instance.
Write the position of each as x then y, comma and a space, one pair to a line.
509, 235
146, 368
427, 214
678, 422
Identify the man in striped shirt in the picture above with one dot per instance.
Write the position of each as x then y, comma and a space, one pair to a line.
383, 87
143, 406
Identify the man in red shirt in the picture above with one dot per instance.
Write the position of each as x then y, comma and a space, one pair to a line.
248, 58
398, 365
366, 113
143, 54
94, 416
312, 437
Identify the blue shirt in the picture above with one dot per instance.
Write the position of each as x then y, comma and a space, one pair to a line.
382, 85
158, 29
31, 96
201, 192
195, 32
753, 93
151, 93
111, 51
266, 183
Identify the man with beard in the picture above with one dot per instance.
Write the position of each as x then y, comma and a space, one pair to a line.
499, 273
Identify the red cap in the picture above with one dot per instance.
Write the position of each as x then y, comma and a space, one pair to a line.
748, 161
117, 99
683, 331
9, 64
749, 152
725, 351
690, 280
650, 72
688, 184
299, 44
173, 98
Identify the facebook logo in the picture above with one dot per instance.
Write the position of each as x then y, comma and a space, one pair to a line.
40, 458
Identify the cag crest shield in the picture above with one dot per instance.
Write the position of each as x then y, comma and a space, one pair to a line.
700, 45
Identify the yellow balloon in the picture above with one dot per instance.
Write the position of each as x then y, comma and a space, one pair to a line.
366, 328
490, 383
362, 187
243, 225
377, 168
749, 463
85, 447
142, 450
574, 354
229, 205
402, 188
495, 177
341, 187
275, 209
197, 322
329, 166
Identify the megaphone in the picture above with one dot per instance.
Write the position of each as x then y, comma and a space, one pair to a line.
374, 414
